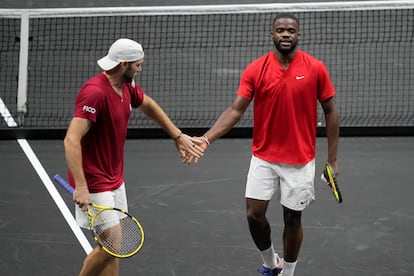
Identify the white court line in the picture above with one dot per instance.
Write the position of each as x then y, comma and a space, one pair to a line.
6, 114
47, 182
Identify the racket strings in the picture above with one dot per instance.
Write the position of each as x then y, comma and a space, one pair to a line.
121, 236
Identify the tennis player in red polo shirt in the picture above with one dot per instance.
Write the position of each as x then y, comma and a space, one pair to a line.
286, 85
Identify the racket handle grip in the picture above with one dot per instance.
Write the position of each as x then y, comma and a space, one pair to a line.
62, 182
324, 179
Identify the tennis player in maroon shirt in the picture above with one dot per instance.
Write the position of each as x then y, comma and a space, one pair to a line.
95, 139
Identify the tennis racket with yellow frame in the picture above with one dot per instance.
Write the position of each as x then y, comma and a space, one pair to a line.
116, 231
330, 178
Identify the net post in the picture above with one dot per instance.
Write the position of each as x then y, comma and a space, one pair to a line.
23, 68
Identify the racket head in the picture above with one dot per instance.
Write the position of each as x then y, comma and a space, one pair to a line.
330, 178
116, 231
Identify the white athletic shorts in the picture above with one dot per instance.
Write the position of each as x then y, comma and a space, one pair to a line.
293, 184
116, 198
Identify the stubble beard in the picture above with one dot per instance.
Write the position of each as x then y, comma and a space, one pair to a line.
284, 50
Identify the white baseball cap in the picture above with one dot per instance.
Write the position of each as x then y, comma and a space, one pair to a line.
123, 49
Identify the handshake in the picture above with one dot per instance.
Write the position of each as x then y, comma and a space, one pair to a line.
191, 149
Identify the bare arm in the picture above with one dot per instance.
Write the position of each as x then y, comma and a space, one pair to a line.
228, 119
332, 130
184, 143
73, 152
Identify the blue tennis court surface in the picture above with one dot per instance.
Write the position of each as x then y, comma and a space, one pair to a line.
194, 218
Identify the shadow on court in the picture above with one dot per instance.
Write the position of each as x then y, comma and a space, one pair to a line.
193, 216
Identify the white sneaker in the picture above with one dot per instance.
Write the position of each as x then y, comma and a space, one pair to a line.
279, 264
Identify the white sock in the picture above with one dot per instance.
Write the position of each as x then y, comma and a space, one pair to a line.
269, 257
288, 268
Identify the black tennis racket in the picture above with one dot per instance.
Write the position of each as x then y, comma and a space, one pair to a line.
117, 232
330, 178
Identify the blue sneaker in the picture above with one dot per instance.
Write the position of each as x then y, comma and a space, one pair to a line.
264, 271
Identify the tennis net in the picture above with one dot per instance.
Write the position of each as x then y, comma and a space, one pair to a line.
196, 54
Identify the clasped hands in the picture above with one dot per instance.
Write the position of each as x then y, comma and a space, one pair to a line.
191, 149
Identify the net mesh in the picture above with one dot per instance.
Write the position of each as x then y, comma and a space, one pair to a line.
194, 61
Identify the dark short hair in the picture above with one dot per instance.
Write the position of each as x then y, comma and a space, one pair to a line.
285, 15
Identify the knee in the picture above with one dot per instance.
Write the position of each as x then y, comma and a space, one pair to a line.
105, 257
292, 218
256, 211
250, 215
254, 216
